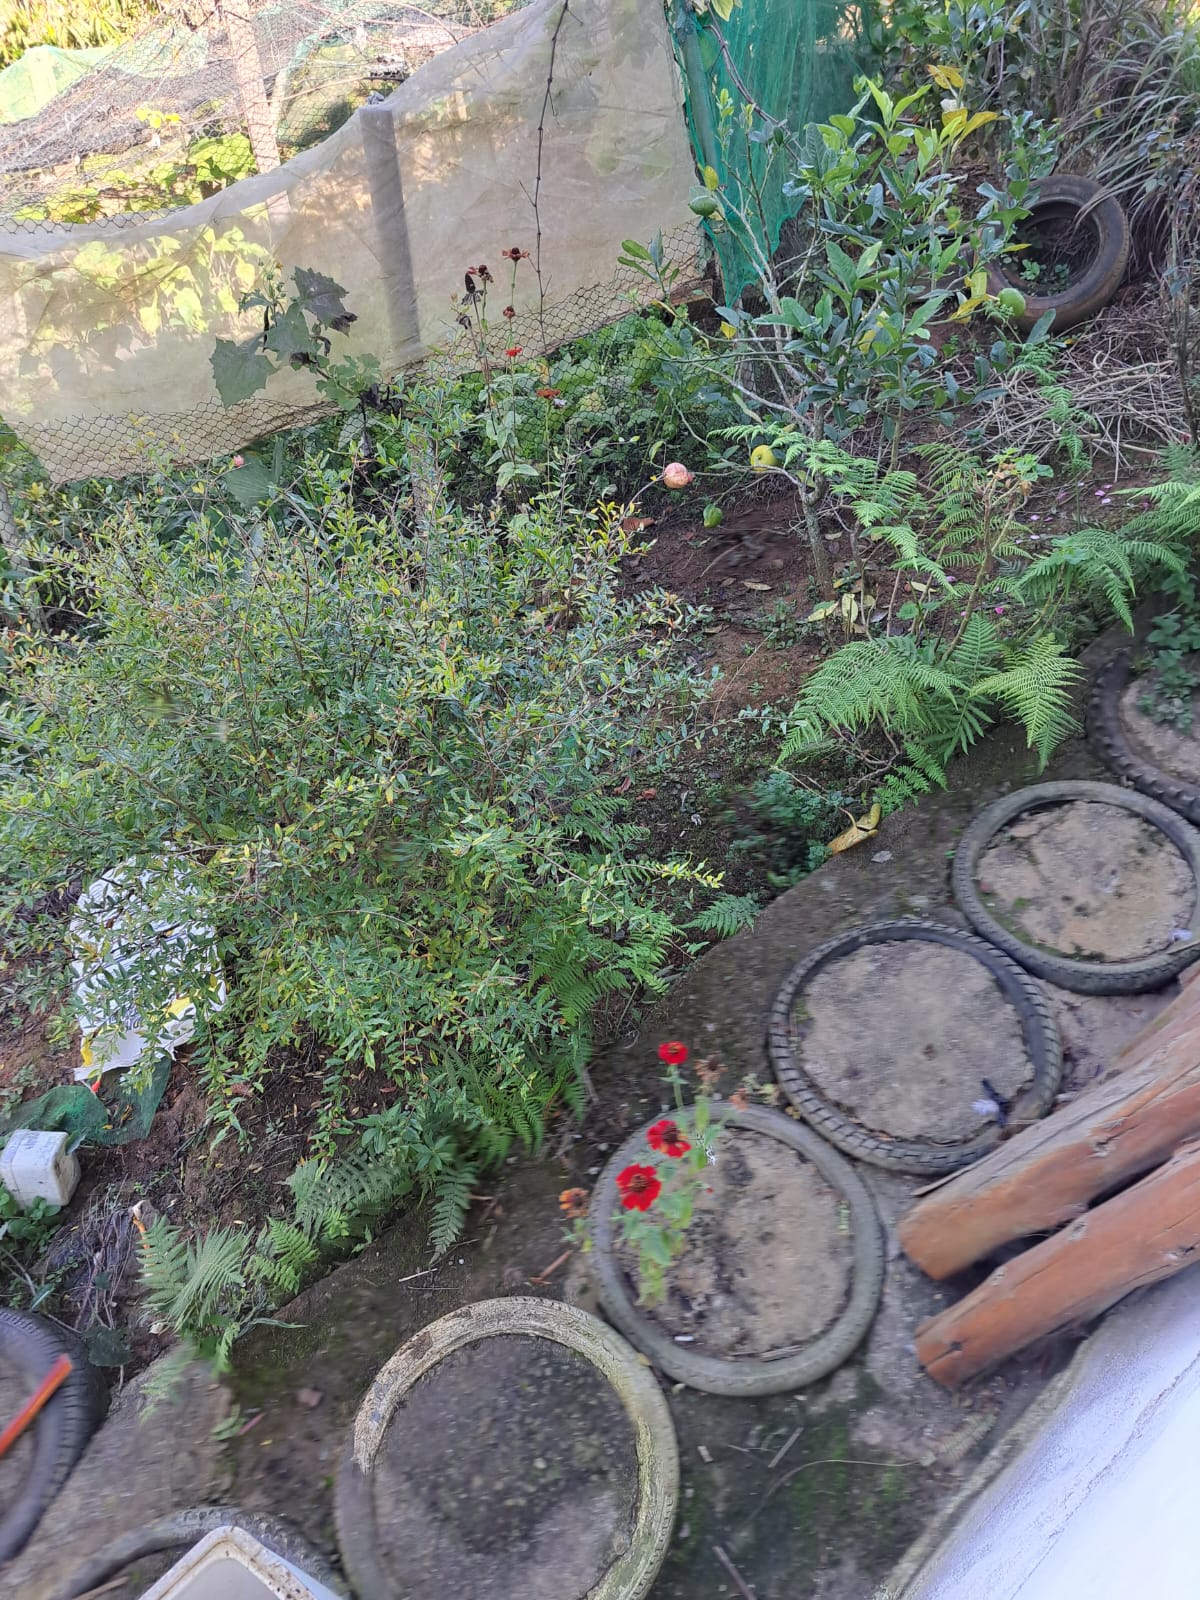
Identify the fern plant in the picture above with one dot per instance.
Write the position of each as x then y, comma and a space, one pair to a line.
982, 633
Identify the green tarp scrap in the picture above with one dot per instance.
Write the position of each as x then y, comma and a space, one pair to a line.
115, 1117
33, 80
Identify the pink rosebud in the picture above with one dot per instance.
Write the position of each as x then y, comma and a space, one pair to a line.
239, 461
676, 475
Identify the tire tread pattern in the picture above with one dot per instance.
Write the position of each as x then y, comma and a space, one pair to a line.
1135, 976
926, 1157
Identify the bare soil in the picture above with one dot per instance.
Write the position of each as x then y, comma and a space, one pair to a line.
509, 1470
901, 1036
1170, 749
767, 1260
1088, 880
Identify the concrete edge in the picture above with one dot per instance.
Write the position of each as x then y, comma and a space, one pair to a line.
898, 1585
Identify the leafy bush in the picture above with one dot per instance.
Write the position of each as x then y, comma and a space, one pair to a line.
387, 764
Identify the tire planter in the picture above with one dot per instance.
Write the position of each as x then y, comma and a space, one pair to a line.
925, 1156
633, 1572
1081, 976
1114, 744
62, 1428
748, 1375
1062, 199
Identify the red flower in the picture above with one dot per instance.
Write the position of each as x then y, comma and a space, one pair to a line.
548, 394
515, 254
574, 1202
639, 1187
674, 1052
664, 1137
509, 313
513, 351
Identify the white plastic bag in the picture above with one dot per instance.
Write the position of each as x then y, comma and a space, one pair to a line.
124, 922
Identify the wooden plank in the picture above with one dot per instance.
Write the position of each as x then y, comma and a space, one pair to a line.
1050, 1172
1147, 1232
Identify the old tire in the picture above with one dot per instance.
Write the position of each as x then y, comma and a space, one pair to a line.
1109, 736
64, 1426
1081, 977
925, 1156
1063, 199
732, 1375
632, 1575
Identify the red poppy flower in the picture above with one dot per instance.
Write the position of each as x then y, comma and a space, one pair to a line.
513, 351
664, 1137
674, 1052
639, 1187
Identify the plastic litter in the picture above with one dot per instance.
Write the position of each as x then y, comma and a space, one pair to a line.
132, 933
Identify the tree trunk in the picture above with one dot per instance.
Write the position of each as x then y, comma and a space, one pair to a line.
247, 68
1150, 1231
1050, 1172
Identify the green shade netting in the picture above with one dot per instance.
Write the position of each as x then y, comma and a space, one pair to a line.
797, 59
115, 1116
33, 80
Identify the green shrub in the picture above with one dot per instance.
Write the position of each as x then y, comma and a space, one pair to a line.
387, 763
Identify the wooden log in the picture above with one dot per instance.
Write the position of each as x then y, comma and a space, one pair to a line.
1118, 1128
1147, 1232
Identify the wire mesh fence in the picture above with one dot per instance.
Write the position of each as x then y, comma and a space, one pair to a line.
119, 138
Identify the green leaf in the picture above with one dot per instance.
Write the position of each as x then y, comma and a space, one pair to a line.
844, 268
289, 334
319, 295
240, 370
249, 485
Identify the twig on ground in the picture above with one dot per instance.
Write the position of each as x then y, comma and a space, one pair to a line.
739, 1583
546, 1272
784, 1448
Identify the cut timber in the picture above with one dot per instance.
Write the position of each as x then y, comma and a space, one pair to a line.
1048, 1173
1146, 1233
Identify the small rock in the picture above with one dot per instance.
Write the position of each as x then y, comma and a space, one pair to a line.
310, 1398
704, 1453
539, 1464
881, 856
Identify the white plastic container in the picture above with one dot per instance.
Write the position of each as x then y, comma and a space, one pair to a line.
230, 1564
36, 1165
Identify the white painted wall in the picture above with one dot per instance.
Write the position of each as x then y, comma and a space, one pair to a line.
1103, 1503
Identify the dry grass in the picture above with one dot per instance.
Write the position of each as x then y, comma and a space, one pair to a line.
1117, 389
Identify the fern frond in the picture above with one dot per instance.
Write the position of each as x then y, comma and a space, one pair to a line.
885, 680
452, 1199
1036, 688
727, 914
329, 1193
920, 773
